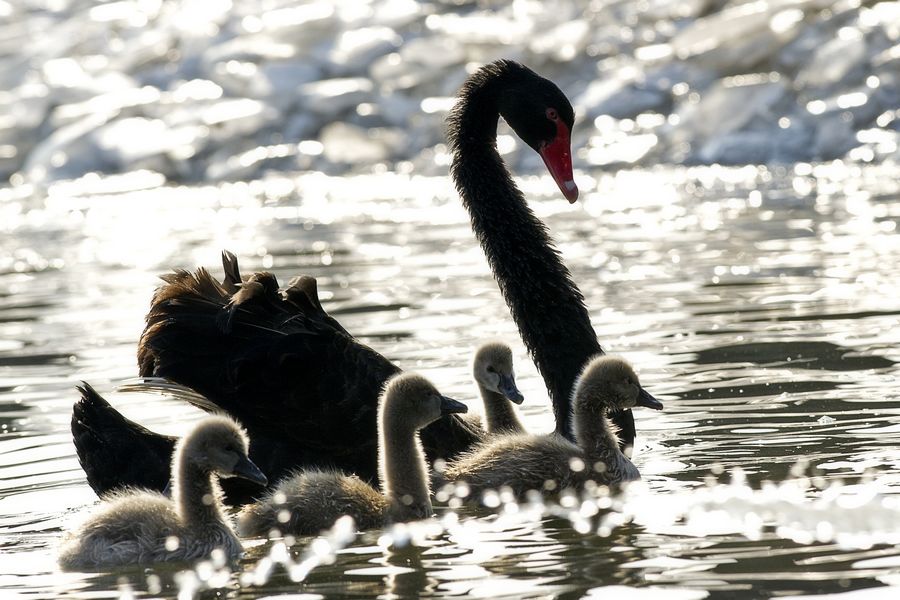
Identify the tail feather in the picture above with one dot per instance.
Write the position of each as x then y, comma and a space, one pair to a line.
114, 451
232, 272
117, 453
259, 293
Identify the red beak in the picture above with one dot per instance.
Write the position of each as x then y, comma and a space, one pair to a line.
557, 156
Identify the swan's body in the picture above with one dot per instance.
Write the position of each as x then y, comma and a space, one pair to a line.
297, 379
142, 527
525, 462
311, 501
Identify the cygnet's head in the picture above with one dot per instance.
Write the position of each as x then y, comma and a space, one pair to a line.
493, 370
218, 445
413, 400
610, 383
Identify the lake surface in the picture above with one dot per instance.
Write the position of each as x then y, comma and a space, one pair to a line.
761, 305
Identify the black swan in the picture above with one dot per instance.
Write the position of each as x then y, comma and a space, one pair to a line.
311, 500
141, 527
526, 462
299, 382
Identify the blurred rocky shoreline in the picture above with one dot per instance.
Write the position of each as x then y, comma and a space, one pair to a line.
202, 90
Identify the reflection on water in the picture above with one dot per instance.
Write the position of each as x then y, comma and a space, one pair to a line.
761, 306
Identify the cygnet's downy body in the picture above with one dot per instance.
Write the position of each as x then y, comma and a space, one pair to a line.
140, 527
310, 501
526, 462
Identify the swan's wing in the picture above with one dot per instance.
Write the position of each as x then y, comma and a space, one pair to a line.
295, 383
275, 361
305, 389
173, 390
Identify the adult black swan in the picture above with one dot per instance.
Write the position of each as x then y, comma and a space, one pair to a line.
547, 306
295, 378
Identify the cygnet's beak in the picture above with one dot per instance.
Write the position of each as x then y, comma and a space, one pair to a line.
645, 399
449, 405
507, 387
245, 469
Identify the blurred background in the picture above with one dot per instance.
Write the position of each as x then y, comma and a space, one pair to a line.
201, 90
735, 238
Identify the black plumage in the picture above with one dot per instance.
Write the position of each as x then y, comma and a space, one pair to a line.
107, 443
304, 389
545, 303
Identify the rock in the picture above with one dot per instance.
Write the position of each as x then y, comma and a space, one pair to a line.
349, 144
332, 97
282, 82
834, 137
355, 50
728, 106
622, 99
738, 37
841, 61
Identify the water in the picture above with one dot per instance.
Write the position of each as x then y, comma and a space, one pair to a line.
759, 302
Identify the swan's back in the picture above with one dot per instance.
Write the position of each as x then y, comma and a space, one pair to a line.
308, 502
281, 365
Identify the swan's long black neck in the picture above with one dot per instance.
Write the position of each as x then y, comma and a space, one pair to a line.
547, 306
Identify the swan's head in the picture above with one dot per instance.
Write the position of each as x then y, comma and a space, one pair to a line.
534, 107
493, 370
218, 445
411, 400
610, 383
541, 115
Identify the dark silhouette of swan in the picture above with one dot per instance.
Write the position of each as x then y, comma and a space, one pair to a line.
296, 378
311, 500
139, 527
525, 462
545, 303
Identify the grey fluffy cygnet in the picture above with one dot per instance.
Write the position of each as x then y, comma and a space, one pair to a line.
492, 369
526, 462
310, 501
141, 527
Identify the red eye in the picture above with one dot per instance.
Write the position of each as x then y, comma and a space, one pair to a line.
552, 114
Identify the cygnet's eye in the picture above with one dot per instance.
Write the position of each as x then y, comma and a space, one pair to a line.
230, 448
491, 369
